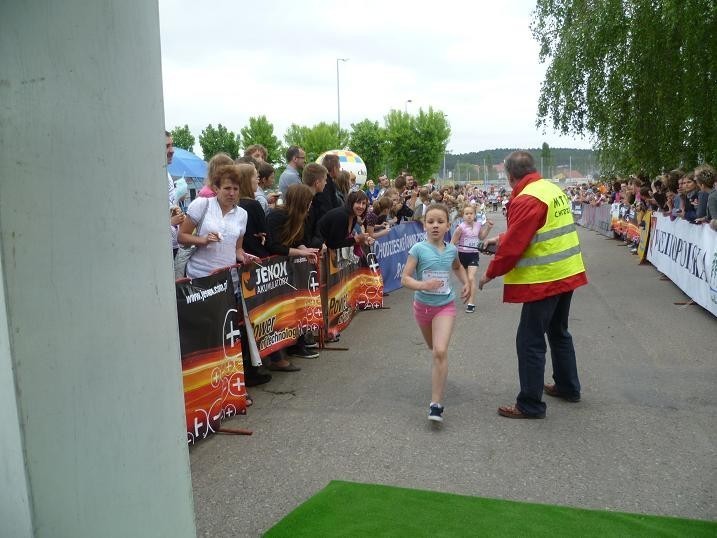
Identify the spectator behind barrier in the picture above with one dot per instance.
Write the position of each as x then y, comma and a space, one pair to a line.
424, 199
266, 182
257, 151
314, 177
337, 226
219, 160
256, 231
343, 185
375, 223
289, 235
371, 191
707, 210
220, 238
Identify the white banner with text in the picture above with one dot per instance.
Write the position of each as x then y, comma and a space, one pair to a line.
687, 254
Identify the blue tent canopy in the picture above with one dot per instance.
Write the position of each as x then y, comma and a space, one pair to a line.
187, 164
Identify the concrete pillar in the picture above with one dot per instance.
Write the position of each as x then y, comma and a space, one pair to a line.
91, 410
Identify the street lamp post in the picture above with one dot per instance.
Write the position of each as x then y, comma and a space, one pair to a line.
445, 152
405, 105
338, 95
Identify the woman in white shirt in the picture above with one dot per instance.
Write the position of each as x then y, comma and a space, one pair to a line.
221, 226
219, 240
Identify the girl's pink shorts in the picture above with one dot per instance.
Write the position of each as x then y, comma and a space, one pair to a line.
425, 313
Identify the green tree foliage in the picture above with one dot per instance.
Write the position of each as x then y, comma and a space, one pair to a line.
399, 139
582, 160
317, 139
368, 140
416, 143
183, 138
260, 131
545, 160
638, 76
217, 140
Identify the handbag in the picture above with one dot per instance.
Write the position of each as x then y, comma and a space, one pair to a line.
187, 251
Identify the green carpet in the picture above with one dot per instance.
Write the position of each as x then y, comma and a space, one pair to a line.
351, 509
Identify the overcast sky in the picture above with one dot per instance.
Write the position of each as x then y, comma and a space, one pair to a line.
225, 61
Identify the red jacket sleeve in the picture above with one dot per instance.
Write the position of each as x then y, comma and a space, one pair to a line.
526, 215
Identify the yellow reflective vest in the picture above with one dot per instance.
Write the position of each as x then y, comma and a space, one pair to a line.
554, 252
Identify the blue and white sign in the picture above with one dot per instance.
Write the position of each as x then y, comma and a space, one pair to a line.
392, 251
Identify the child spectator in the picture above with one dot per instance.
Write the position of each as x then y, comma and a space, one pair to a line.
375, 221
266, 181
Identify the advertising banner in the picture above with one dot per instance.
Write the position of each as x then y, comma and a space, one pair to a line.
350, 287
392, 251
602, 221
645, 221
687, 254
626, 223
212, 372
283, 299
597, 218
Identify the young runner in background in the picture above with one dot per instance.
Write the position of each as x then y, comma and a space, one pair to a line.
467, 236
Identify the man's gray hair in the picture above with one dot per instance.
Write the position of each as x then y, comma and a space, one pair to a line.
519, 164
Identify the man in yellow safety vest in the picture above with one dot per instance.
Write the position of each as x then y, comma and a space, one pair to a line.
539, 254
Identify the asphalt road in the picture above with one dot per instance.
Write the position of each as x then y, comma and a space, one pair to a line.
643, 439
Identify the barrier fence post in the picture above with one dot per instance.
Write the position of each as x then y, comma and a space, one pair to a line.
324, 299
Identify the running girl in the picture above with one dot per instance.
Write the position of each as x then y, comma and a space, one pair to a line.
467, 236
427, 271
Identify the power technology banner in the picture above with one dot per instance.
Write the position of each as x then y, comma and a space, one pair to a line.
687, 254
212, 371
283, 298
624, 221
350, 287
392, 251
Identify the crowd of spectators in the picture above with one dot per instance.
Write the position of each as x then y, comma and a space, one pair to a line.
679, 194
688, 195
240, 216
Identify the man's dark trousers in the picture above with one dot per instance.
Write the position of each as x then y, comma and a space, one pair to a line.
547, 316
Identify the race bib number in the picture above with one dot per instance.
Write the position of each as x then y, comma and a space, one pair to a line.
445, 288
471, 242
